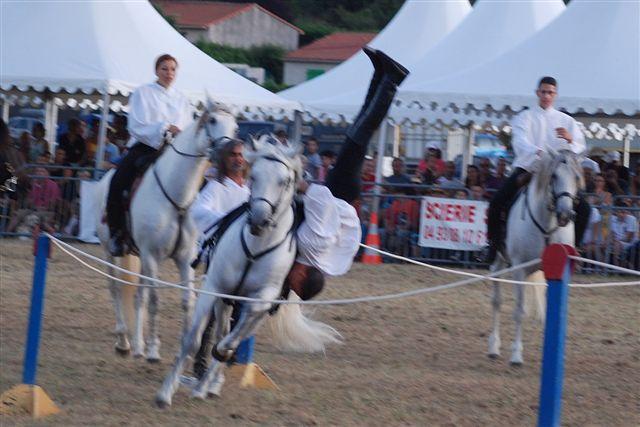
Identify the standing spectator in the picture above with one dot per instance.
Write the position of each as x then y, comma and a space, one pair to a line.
72, 142
42, 201
91, 142
448, 181
24, 145
589, 169
429, 172
328, 158
399, 176
498, 179
477, 192
614, 185
111, 150
613, 162
473, 177
602, 196
315, 162
69, 197
635, 181
282, 137
484, 171
120, 132
39, 145
368, 175
61, 160
624, 231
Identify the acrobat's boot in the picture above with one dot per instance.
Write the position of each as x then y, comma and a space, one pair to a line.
387, 76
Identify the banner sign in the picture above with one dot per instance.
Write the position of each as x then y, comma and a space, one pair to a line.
453, 224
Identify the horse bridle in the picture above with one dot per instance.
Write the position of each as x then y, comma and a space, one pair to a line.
272, 205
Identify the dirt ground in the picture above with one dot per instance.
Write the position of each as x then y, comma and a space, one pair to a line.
417, 361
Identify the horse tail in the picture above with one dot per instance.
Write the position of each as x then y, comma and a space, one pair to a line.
291, 330
535, 301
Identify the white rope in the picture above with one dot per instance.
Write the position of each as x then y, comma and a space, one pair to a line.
496, 279
62, 245
602, 264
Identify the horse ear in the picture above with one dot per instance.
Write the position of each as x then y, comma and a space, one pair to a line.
211, 104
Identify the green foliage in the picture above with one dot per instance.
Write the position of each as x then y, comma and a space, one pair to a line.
267, 57
314, 30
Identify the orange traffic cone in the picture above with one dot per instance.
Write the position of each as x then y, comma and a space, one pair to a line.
373, 240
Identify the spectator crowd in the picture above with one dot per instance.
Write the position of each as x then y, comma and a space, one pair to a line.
48, 188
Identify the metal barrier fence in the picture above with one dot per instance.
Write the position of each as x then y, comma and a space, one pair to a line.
53, 203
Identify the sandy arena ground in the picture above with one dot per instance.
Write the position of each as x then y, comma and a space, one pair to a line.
417, 361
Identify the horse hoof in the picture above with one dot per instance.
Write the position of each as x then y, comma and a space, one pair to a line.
493, 356
153, 360
198, 394
124, 352
161, 403
515, 364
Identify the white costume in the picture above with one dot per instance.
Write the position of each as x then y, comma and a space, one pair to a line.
217, 199
152, 109
328, 238
535, 129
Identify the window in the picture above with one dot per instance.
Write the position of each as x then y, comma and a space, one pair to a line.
313, 72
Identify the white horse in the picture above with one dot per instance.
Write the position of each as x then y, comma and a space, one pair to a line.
542, 214
160, 225
252, 259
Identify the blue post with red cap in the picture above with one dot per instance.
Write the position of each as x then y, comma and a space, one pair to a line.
557, 268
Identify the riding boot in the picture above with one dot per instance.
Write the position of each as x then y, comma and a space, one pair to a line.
377, 72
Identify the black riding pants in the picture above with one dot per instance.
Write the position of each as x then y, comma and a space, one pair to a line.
122, 181
344, 179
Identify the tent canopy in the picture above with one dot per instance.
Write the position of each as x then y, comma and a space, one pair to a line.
491, 29
417, 27
90, 48
592, 49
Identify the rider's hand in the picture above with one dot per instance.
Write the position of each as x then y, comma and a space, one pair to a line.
173, 130
302, 186
564, 134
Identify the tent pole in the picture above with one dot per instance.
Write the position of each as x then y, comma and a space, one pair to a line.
54, 126
382, 134
466, 153
48, 122
5, 110
102, 134
296, 134
626, 150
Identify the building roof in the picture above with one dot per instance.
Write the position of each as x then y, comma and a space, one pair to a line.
202, 14
336, 47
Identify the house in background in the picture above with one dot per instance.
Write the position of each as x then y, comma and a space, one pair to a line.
322, 55
240, 25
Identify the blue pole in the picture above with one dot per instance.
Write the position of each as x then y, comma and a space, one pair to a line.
35, 315
554, 339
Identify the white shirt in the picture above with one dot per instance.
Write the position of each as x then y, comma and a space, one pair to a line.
330, 234
217, 199
328, 238
594, 218
619, 229
535, 129
152, 109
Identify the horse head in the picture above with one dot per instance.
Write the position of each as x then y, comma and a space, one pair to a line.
216, 125
275, 172
561, 176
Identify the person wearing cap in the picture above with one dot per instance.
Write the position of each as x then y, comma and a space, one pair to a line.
534, 131
589, 169
613, 162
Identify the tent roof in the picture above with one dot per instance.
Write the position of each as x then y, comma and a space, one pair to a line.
417, 27
491, 29
93, 47
593, 50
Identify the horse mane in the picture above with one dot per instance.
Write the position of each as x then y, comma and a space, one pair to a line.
549, 164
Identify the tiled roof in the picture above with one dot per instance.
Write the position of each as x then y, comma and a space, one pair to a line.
201, 14
335, 47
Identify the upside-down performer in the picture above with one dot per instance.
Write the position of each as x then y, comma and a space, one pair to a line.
329, 235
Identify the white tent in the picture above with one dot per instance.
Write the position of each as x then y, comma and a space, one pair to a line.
416, 28
491, 29
593, 49
86, 49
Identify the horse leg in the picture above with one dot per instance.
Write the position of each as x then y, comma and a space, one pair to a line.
188, 296
496, 302
518, 314
189, 345
122, 345
213, 380
138, 335
150, 269
249, 321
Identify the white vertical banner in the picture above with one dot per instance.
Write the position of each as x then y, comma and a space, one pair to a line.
453, 223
